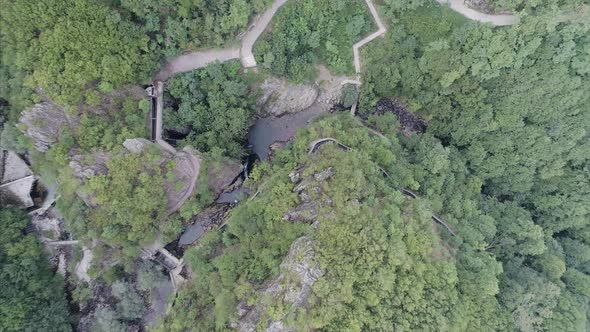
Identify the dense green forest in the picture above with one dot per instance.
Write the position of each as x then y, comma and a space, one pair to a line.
309, 32
388, 266
518, 116
214, 104
32, 297
67, 47
504, 161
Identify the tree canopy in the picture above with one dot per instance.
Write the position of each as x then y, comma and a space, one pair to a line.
33, 297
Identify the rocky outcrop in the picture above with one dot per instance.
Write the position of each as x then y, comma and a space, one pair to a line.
206, 220
280, 97
222, 174
84, 169
186, 173
309, 190
299, 271
410, 122
44, 123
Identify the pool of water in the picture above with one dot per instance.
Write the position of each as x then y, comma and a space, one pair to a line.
279, 129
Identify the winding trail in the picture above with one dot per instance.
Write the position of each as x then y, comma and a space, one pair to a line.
195, 60
203, 58
381, 31
497, 20
315, 145
254, 32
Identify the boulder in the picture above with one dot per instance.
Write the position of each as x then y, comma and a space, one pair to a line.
280, 97
309, 191
299, 271
222, 174
44, 123
136, 145
85, 167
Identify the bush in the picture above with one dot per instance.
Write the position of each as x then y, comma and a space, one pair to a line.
105, 320
131, 305
350, 95
149, 276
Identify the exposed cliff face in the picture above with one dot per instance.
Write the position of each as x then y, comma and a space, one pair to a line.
44, 123
299, 271
309, 190
86, 167
221, 175
280, 97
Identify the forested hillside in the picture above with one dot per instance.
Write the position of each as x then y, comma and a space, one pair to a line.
68, 47
455, 200
518, 115
32, 298
309, 32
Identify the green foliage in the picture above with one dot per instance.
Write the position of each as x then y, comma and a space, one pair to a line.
131, 201
130, 305
385, 265
32, 296
349, 96
213, 103
82, 293
149, 276
124, 119
63, 46
179, 25
511, 105
11, 138
309, 32
105, 320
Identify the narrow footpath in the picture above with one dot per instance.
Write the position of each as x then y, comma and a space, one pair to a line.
495, 19
457, 5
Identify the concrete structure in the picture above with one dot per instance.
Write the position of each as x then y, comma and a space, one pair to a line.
16, 181
173, 265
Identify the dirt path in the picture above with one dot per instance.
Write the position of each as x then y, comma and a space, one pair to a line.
195, 60
202, 58
254, 32
81, 269
498, 20
381, 31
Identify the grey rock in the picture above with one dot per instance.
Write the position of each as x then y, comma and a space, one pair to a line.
86, 168
136, 145
295, 175
280, 97
324, 175
44, 123
302, 185
299, 272
306, 212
